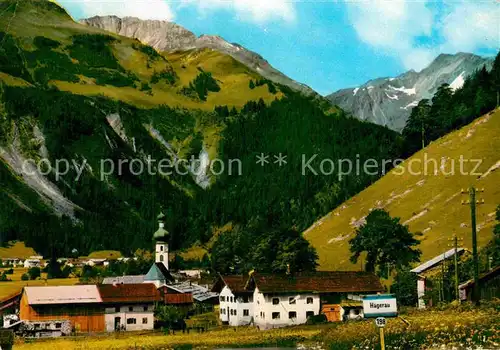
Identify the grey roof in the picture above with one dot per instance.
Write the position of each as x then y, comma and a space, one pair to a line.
62, 294
436, 260
200, 293
124, 280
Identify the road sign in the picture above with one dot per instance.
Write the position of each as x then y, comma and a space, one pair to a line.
380, 305
380, 322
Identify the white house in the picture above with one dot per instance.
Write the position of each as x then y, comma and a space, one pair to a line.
29, 263
236, 302
129, 307
287, 300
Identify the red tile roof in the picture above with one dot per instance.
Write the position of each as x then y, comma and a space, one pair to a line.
128, 293
319, 282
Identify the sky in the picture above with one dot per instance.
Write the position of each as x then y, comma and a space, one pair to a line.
328, 44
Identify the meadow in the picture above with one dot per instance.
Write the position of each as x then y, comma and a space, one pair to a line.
461, 327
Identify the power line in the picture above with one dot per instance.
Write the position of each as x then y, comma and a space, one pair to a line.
473, 202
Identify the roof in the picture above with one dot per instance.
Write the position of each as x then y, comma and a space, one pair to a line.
124, 280
158, 272
127, 293
484, 277
161, 235
436, 260
200, 294
319, 282
62, 295
236, 283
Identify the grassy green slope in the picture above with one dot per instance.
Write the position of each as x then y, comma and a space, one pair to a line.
429, 204
30, 18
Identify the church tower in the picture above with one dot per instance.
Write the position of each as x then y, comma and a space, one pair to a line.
161, 242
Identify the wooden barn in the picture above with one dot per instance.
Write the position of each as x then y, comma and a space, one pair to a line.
45, 310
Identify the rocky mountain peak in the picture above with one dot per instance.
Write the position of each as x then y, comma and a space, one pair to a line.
168, 36
389, 101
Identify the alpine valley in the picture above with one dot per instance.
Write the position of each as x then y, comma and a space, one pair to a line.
115, 96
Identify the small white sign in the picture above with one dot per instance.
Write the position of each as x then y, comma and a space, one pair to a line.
380, 322
380, 305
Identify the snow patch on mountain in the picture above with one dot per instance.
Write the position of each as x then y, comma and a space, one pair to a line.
458, 82
409, 92
410, 105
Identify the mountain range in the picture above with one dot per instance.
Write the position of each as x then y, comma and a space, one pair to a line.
389, 101
74, 92
169, 37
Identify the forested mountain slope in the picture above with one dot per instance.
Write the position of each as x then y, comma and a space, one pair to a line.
429, 203
72, 92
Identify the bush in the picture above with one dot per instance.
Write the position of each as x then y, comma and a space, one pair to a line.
152, 54
201, 85
94, 50
42, 43
34, 273
3, 278
25, 277
168, 75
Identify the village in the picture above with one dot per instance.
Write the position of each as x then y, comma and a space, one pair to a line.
167, 299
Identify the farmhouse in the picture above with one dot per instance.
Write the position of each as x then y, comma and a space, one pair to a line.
129, 307
271, 301
61, 310
236, 301
428, 268
489, 286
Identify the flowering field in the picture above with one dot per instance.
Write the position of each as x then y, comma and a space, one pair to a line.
454, 329
459, 328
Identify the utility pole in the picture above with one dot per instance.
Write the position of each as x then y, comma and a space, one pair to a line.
472, 201
442, 277
455, 240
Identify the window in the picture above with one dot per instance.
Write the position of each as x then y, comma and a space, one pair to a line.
117, 309
161, 248
276, 301
131, 321
309, 314
145, 308
292, 314
58, 325
246, 312
161, 258
235, 312
144, 320
222, 298
309, 300
245, 299
130, 308
276, 315
231, 299
261, 314
291, 301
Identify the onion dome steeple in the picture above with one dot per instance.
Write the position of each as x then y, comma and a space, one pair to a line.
161, 235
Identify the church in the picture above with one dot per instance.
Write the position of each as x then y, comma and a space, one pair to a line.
159, 273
